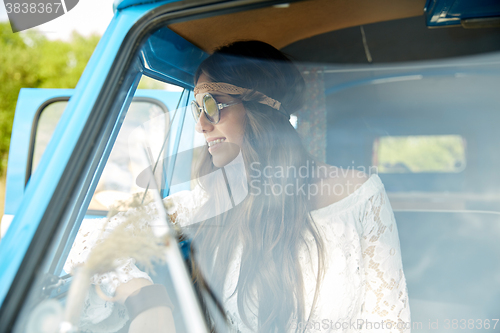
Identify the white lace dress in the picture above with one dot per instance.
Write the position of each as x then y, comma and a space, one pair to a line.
363, 288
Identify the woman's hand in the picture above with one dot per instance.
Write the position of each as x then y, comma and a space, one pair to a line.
155, 320
130, 288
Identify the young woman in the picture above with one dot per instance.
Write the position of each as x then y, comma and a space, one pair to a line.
311, 246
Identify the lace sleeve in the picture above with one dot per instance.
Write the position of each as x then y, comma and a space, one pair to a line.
386, 295
182, 206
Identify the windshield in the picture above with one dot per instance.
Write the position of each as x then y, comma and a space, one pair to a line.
332, 183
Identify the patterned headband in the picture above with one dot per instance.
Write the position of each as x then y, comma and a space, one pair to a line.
229, 89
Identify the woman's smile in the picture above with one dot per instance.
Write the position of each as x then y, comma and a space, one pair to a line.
214, 143
225, 138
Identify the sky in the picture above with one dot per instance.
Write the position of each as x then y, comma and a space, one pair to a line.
88, 16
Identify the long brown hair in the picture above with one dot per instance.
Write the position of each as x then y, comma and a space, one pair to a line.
270, 228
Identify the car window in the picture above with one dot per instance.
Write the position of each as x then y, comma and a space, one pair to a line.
425, 125
47, 121
118, 179
416, 154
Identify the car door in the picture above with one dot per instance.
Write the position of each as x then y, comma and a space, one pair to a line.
63, 190
103, 121
68, 135
153, 118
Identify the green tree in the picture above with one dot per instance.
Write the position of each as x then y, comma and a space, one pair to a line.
29, 60
18, 68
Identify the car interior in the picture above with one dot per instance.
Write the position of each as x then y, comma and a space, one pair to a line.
378, 70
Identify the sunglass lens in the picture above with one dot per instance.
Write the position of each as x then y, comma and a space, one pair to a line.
211, 108
195, 109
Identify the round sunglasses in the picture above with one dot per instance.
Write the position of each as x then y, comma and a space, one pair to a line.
211, 108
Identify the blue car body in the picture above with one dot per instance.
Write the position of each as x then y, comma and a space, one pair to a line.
85, 134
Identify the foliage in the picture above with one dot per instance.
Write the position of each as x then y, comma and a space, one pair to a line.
442, 153
149, 83
29, 60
